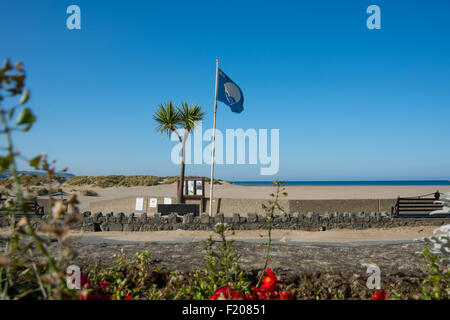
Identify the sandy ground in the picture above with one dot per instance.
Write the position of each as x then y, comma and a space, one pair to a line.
366, 236
227, 190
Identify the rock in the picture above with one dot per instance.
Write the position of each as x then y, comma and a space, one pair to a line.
121, 217
128, 227
131, 218
204, 218
313, 216
115, 227
188, 218
252, 217
285, 217
172, 218
326, 216
219, 218
97, 216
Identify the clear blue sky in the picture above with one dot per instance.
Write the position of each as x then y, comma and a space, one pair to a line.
350, 103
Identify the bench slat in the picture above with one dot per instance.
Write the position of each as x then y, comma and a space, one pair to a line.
418, 206
416, 210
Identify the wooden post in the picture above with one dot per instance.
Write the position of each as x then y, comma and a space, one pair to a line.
211, 186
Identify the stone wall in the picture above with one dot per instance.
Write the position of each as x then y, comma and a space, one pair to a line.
296, 221
229, 206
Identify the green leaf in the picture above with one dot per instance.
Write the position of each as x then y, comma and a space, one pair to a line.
26, 117
35, 161
6, 65
5, 162
25, 97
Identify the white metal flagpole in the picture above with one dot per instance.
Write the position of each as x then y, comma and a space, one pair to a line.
211, 184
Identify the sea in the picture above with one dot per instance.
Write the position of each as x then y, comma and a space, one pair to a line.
350, 183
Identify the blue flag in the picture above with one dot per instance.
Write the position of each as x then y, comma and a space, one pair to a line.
229, 93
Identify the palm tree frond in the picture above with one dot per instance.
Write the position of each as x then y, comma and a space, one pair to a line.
190, 115
167, 118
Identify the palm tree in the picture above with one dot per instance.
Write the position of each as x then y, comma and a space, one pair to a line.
171, 119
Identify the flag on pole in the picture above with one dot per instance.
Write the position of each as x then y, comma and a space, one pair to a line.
229, 93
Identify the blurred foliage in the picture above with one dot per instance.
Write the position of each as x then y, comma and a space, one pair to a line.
437, 285
30, 267
123, 278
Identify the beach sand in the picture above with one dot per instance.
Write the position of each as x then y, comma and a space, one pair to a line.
227, 190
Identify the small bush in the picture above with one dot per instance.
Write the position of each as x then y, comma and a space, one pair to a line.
89, 193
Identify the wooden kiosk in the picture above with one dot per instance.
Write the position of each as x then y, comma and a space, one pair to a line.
194, 188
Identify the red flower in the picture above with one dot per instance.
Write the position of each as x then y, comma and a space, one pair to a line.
269, 282
127, 298
269, 290
103, 284
85, 282
284, 295
379, 295
227, 293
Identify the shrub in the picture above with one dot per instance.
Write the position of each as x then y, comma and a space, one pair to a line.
222, 268
89, 193
437, 285
123, 280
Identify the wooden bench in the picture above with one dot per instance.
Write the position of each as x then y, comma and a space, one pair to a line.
419, 206
31, 206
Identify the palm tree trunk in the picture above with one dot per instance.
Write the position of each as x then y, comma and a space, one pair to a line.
183, 156
181, 186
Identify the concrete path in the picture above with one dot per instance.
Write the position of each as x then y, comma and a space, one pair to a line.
280, 237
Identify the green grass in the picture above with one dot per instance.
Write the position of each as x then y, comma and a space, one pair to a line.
32, 180
114, 181
100, 181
